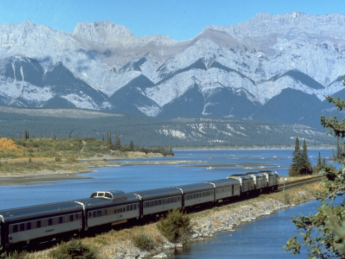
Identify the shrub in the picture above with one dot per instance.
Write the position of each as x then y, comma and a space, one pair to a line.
12, 255
73, 250
175, 226
143, 242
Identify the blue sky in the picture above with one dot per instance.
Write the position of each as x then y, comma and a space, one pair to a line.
179, 19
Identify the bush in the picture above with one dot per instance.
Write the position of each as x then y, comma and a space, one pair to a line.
143, 242
73, 250
12, 255
175, 226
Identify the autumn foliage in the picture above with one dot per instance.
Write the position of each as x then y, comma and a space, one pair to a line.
7, 144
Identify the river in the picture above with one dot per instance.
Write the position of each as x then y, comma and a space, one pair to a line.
257, 238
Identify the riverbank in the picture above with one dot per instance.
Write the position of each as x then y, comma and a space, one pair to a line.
37, 170
118, 244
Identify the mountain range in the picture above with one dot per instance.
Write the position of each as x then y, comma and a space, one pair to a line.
270, 68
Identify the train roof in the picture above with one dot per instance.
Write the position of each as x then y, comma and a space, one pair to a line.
257, 174
111, 195
224, 182
243, 176
269, 172
39, 210
195, 187
96, 202
162, 192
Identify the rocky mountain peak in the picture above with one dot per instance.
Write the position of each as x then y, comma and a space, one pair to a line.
101, 32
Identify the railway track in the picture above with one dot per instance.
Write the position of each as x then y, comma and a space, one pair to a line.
289, 185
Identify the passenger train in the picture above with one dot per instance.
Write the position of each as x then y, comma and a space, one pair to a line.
48, 221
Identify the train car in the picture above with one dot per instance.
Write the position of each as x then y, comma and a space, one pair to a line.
259, 181
109, 207
246, 182
34, 222
272, 179
159, 200
226, 188
196, 194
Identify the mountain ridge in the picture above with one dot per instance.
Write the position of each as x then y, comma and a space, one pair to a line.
260, 57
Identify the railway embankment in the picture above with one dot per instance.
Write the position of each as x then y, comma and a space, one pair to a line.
205, 224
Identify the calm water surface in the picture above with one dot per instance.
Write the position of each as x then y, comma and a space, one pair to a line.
260, 239
142, 177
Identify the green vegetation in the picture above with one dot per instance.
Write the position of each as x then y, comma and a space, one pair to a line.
12, 255
175, 226
300, 161
143, 242
69, 148
324, 232
73, 250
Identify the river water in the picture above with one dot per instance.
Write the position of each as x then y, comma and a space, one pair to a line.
262, 236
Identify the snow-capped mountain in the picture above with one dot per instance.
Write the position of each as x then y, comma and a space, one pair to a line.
254, 70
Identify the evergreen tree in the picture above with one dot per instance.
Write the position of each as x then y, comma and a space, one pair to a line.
109, 139
295, 167
339, 151
131, 146
323, 233
117, 142
304, 160
319, 161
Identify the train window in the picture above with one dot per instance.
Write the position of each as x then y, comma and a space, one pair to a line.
99, 213
94, 214
90, 215
21, 227
155, 203
15, 228
105, 212
60, 220
28, 226
76, 216
127, 207
50, 222
108, 195
38, 224
71, 218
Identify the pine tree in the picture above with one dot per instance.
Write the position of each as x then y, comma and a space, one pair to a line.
304, 160
131, 146
319, 161
109, 139
117, 142
295, 167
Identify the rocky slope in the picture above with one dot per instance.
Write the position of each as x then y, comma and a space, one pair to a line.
236, 71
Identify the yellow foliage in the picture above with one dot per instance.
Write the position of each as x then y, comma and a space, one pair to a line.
7, 144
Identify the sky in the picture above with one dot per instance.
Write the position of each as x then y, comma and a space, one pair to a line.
179, 19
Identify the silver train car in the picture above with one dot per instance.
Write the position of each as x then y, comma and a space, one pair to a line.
47, 221
34, 222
